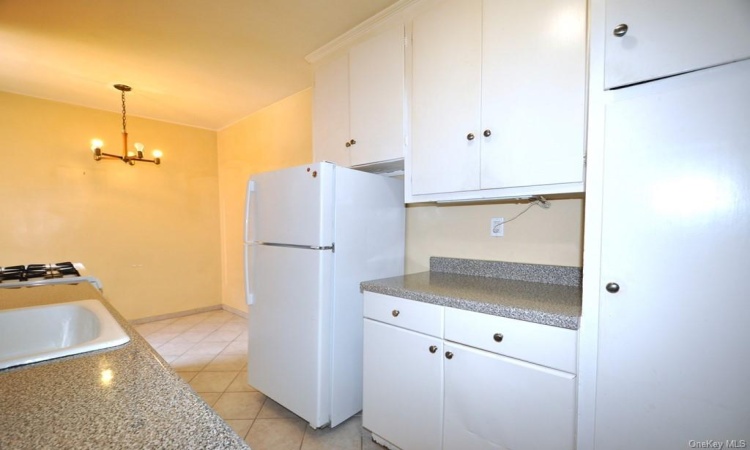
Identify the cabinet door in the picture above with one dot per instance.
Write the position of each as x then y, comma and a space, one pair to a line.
446, 97
495, 402
670, 37
673, 341
376, 89
533, 92
331, 112
403, 385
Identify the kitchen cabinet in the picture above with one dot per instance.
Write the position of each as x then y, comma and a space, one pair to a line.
492, 401
672, 332
403, 377
358, 110
448, 371
646, 40
498, 99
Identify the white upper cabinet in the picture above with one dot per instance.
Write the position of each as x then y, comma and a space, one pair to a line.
359, 103
498, 99
331, 112
376, 87
446, 97
647, 40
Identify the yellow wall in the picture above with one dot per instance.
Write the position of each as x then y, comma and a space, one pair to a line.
539, 236
143, 230
273, 138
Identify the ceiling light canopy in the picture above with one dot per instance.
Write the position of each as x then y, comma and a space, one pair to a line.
130, 157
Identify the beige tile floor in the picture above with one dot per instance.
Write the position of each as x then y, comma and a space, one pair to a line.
209, 351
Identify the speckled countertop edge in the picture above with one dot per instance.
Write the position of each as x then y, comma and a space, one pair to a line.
555, 301
66, 404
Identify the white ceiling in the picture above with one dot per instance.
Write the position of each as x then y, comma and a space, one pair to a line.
205, 63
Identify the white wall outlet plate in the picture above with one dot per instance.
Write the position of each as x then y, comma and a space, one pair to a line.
497, 225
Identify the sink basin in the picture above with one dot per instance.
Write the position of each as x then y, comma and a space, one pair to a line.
39, 333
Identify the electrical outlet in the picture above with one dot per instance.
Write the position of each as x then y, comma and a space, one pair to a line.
497, 226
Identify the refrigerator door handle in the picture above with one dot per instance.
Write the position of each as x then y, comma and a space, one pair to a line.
249, 296
331, 247
248, 208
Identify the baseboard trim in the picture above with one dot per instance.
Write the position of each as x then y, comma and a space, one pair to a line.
236, 311
177, 314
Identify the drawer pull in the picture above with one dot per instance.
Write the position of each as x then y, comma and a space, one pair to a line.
433, 348
395, 313
621, 30
449, 355
498, 337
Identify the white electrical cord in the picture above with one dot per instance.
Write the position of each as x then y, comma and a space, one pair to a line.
537, 201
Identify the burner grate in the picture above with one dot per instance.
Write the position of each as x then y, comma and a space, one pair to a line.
36, 271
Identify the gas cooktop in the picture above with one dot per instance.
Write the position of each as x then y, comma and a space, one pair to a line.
37, 274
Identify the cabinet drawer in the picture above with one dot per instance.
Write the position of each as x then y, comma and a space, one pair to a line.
410, 314
540, 344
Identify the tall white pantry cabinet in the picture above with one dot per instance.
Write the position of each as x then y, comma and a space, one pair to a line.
664, 333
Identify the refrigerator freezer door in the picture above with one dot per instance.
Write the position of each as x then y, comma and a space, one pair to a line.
292, 206
289, 329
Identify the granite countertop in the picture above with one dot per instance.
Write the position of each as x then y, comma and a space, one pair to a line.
549, 295
67, 403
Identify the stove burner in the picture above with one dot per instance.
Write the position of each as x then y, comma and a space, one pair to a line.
34, 271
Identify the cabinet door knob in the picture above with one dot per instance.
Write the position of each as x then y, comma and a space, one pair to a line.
498, 337
470, 137
487, 133
433, 348
620, 30
449, 355
395, 313
612, 288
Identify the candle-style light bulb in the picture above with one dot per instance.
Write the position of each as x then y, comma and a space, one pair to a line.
139, 148
157, 156
96, 144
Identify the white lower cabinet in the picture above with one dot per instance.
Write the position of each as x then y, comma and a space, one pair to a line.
424, 391
495, 402
403, 380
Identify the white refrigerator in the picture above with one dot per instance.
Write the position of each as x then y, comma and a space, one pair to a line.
312, 234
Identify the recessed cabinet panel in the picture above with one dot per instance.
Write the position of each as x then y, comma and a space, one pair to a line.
647, 39
494, 402
376, 82
533, 92
446, 97
403, 380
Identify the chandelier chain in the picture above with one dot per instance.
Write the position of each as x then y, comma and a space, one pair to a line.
124, 122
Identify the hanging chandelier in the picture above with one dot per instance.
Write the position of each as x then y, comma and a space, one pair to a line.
127, 156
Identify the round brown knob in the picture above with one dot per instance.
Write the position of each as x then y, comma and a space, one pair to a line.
620, 30
395, 313
498, 337
487, 133
449, 355
470, 137
433, 348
